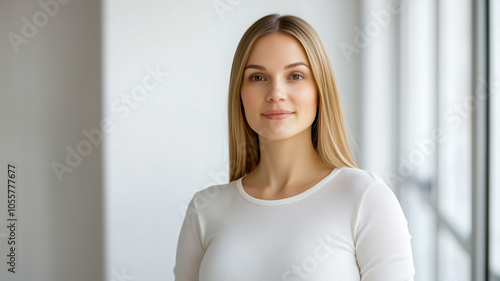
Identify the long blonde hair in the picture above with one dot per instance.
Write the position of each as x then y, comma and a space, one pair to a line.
328, 133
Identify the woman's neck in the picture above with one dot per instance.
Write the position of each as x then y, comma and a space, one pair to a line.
287, 164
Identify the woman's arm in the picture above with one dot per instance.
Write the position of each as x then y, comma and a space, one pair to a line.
190, 249
383, 248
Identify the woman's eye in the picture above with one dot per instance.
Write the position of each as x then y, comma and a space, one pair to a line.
256, 78
296, 77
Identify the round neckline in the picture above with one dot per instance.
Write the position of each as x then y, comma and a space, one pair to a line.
288, 200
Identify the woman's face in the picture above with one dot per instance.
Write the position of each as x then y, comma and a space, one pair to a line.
278, 90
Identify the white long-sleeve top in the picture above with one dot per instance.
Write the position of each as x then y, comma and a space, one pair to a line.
349, 226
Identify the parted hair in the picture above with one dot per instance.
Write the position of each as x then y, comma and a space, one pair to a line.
328, 130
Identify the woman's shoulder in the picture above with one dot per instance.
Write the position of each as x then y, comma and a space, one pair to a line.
216, 192
368, 195
358, 177
360, 181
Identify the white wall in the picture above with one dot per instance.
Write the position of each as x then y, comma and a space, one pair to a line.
50, 92
167, 142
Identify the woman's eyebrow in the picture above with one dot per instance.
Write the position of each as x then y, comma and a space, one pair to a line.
296, 64
286, 67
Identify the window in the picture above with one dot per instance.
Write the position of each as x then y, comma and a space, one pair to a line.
440, 134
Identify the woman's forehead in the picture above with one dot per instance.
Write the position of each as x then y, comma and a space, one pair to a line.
277, 49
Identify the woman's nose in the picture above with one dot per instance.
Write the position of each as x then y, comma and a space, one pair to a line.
277, 92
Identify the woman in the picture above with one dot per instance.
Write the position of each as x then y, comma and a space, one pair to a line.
296, 206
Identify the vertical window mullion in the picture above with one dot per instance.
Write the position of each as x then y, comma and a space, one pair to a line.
480, 144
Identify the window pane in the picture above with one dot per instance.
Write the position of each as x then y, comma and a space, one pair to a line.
418, 99
454, 261
455, 113
417, 162
422, 225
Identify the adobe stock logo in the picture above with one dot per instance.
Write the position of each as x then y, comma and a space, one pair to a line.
372, 29
310, 264
123, 106
224, 6
39, 19
121, 276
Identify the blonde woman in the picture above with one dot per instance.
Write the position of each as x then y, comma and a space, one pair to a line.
296, 207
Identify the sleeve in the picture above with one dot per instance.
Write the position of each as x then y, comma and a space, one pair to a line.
383, 249
190, 248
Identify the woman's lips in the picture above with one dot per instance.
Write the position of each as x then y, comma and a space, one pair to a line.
277, 116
